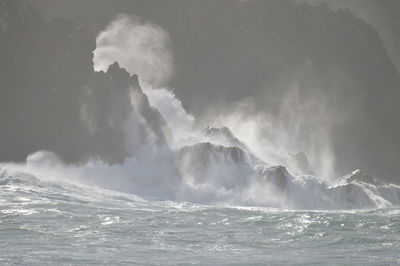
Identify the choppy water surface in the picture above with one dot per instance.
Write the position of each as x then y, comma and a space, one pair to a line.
56, 223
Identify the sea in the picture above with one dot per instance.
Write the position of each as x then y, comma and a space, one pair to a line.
50, 222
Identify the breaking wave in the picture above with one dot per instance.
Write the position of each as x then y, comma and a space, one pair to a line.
219, 171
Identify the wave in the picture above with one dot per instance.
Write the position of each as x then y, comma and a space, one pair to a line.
203, 173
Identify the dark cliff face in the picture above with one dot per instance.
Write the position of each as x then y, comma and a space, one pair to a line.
202, 154
52, 99
44, 67
16, 17
118, 117
204, 163
277, 176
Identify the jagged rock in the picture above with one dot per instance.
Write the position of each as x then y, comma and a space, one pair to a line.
206, 163
44, 66
118, 115
359, 176
275, 175
351, 195
203, 153
224, 136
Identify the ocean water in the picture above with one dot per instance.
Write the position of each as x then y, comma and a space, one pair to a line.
57, 223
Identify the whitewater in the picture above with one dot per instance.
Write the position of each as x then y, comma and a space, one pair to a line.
52, 222
206, 198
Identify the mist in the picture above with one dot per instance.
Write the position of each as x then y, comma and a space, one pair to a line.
140, 47
192, 115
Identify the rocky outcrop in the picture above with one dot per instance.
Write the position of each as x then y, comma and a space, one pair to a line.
359, 176
206, 163
276, 175
52, 99
118, 116
201, 154
224, 136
